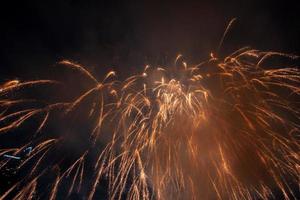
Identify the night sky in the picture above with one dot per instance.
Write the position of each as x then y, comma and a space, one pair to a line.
127, 35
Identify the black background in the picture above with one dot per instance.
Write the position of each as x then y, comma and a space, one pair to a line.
125, 35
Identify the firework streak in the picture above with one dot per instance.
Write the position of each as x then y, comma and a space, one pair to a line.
224, 129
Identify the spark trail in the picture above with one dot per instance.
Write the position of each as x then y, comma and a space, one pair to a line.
224, 129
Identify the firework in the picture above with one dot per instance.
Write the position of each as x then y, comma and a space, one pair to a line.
224, 129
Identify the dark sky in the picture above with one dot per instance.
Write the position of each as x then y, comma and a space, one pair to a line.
125, 35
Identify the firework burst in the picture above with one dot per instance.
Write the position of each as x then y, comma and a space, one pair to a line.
224, 129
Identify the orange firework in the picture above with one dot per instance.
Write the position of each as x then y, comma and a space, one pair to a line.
224, 129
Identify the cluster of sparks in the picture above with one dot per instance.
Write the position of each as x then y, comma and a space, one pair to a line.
223, 129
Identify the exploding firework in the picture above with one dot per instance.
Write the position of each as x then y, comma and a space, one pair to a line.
223, 129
